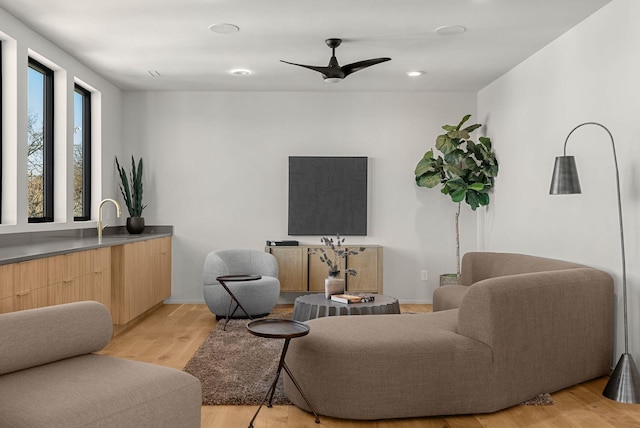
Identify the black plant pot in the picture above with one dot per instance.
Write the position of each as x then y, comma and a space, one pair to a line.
135, 225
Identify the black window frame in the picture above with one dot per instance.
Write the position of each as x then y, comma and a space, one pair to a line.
48, 141
86, 152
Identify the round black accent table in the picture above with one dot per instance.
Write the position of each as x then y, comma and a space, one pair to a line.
280, 329
235, 278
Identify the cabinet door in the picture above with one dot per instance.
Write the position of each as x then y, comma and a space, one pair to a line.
367, 264
101, 276
67, 267
136, 277
161, 268
291, 268
318, 271
69, 291
102, 288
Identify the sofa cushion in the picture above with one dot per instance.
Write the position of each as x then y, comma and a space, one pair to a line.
386, 366
43, 335
99, 391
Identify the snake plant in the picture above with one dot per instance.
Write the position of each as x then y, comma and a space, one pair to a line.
132, 194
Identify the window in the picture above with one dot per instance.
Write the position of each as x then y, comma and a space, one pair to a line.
1, 121
81, 154
40, 143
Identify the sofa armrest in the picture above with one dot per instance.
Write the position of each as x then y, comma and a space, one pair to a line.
546, 329
39, 336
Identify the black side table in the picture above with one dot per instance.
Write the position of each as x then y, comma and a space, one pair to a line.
235, 278
280, 329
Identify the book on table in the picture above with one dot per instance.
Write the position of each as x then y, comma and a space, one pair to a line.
351, 298
346, 298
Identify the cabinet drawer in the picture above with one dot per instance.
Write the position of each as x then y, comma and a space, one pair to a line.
30, 275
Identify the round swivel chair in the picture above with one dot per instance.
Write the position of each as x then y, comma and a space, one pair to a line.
257, 297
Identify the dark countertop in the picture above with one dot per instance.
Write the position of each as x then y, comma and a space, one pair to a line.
19, 247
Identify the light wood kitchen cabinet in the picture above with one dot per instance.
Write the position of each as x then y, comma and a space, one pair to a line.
129, 279
79, 276
300, 270
140, 277
55, 280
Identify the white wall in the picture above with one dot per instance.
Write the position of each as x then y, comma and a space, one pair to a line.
18, 43
217, 169
588, 74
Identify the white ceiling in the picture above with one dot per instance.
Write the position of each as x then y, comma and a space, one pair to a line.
125, 39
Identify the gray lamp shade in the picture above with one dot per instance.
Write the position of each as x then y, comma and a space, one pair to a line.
565, 177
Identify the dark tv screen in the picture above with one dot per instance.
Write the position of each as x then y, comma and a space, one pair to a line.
327, 195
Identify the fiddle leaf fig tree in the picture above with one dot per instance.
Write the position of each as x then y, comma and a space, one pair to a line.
465, 170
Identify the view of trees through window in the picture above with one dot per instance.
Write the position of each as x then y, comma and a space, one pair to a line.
35, 152
40, 143
81, 153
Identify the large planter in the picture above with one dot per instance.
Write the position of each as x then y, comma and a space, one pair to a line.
449, 279
135, 225
333, 285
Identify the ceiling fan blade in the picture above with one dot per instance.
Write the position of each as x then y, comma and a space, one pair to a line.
323, 70
357, 66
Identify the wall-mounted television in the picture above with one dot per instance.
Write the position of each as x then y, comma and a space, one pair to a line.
328, 195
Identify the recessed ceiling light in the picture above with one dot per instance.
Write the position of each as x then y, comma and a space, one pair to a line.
450, 30
224, 28
415, 73
240, 72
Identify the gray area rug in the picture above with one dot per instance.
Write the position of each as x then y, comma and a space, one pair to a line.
236, 367
540, 400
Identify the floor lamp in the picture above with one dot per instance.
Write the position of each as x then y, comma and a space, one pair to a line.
624, 384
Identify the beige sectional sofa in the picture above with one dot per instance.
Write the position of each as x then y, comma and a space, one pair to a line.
51, 377
525, 326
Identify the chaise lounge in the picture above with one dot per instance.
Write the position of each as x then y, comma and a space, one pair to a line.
525, 326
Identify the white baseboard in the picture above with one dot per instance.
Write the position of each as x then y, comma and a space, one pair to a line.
179, 301
415, 302
182, 301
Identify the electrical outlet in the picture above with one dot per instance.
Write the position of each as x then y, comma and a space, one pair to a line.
424, 275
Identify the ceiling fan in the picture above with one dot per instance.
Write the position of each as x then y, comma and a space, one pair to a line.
333, 73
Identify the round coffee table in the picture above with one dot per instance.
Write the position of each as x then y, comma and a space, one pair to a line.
312, 306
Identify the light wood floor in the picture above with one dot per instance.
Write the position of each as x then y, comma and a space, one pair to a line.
172, 333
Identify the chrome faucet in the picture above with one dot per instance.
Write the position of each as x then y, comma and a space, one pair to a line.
100, 226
